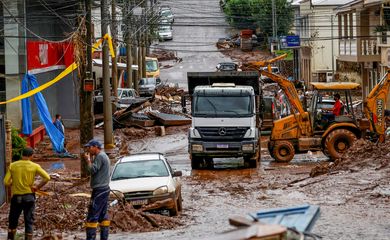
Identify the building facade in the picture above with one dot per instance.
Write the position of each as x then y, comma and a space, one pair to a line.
319, 45
37, 39
361, 43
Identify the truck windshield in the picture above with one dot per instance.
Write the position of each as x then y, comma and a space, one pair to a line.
222, 106
151, 65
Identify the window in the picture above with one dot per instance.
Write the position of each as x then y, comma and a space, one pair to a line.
151, 65
229, 106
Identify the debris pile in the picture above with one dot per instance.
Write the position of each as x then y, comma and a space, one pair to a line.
227, 43
147, 111
168, 93
362, 155
64, 211
164, 55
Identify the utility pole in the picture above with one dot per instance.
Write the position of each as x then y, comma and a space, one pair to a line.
274, 23
135, 58
107, 111
140, 62
129, 69
331, 23
114, 72
86, 107
143, 48
143, 37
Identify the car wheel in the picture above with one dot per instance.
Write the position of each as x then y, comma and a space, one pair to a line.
180, 203
175, 210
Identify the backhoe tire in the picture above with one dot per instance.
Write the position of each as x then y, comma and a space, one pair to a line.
283, 151
338, 141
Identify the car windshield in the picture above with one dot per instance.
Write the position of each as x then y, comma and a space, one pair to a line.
151, 65
226, 106
119, 92
147, 81
166, 13
140, 169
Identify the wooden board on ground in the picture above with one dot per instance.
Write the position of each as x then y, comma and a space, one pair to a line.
143, 123
170, 119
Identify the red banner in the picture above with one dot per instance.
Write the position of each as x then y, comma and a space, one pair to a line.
41, 54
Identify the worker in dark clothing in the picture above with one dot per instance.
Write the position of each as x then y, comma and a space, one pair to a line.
99, 168
20, 176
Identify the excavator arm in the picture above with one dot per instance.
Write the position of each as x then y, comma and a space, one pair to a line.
375, 104
293, 98
256, 65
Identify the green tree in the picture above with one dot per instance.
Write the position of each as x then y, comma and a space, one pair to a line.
284, 16
239, 14
258, 14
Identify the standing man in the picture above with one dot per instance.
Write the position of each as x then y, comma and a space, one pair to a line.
59, 125
99, 168
20, 176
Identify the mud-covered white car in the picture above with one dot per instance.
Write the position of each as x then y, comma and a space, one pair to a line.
148, 178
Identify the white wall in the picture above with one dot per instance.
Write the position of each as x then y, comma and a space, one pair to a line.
319, 34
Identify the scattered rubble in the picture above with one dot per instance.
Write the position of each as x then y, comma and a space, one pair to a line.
68, 198
362, 155
164, 55
164, 109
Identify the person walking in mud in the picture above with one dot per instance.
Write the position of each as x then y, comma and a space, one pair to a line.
20, 176
99, 168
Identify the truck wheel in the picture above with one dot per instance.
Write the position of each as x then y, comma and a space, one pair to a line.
251, 162
209, 164
338, 141
283, 151
196, 162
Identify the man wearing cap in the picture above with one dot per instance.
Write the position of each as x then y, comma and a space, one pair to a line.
20, 176
99, 169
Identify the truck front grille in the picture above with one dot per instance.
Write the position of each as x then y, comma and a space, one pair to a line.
222, 133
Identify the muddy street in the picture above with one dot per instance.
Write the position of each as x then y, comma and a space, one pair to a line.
352, 202
349, 202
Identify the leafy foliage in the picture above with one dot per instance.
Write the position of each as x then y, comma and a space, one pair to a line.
258, 14
239, 13
18, 144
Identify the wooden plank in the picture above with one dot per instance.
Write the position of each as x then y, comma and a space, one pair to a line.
170, 119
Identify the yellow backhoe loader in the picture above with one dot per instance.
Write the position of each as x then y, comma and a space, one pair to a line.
304, 130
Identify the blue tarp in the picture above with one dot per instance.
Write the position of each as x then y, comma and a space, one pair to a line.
56, 137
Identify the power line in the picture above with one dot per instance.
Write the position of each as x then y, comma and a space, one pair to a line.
36, 35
